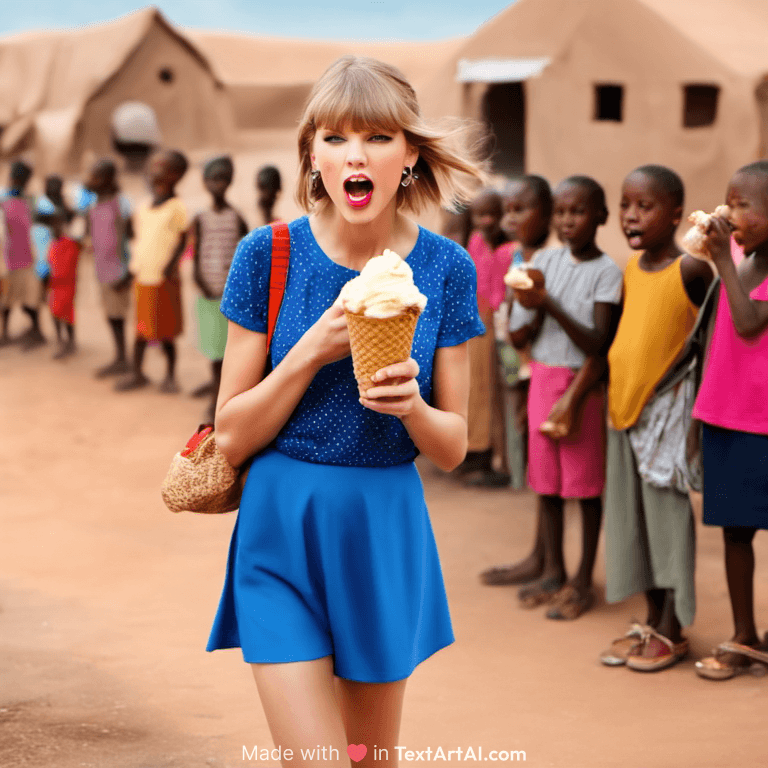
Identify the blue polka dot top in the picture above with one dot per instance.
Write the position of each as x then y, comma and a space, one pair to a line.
329, 426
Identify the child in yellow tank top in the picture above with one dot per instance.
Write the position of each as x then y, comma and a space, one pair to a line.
648, 521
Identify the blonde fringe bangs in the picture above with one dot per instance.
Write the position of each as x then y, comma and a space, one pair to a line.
363, 94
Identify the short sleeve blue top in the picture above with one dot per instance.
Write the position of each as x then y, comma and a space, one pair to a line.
329, 426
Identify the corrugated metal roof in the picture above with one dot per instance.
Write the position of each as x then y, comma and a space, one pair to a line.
499, 70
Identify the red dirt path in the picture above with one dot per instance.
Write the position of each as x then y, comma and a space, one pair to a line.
106, 600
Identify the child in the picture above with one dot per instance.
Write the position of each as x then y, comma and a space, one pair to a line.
268, 188
23, 285
54, 191
457, 226
569, 319
216, 234
731, 404
527, 220
160, 236
648, 518
492, 253
62, 257
108, 224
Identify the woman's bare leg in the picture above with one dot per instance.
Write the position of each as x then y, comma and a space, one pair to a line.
372, 713
303, 711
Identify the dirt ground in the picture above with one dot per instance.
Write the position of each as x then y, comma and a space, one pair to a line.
106, 600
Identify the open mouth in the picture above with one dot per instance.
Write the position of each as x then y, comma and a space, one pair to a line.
631, 234
358, 190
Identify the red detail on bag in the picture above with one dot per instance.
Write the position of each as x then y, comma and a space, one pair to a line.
195, 440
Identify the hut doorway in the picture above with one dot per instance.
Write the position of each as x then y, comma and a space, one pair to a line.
504, 111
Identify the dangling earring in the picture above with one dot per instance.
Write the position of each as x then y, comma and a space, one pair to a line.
408, 176
314, 177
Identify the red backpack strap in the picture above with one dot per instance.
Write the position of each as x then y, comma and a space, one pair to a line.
278, 274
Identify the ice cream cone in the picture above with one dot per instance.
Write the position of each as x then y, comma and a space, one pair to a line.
378, 342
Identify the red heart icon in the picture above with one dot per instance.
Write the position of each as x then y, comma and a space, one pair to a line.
357, 752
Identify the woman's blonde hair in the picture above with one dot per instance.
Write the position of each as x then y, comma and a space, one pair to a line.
362, 94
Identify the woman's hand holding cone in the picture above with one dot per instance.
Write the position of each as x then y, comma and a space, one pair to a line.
395, 390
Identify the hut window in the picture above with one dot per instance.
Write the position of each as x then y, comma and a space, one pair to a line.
609, 102
166, 75
699, 105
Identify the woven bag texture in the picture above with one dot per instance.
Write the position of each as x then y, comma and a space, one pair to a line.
204, 481
378, 342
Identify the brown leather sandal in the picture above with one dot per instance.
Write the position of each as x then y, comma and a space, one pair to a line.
674, 652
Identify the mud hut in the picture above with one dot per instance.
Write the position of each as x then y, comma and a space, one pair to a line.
601, 86
59, 89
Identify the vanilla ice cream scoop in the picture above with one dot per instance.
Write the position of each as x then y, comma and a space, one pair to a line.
695, 239
383, 289
524, 278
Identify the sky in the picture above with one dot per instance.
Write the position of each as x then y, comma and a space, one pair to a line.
313, 19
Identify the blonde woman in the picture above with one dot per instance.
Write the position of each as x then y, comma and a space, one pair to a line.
334, 590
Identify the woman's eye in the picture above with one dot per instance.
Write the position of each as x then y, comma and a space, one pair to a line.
333, 139
381, 137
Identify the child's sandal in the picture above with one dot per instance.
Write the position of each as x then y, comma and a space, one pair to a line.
719, 667
674, 652
616, 654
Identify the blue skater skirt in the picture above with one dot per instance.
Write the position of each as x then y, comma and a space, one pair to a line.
329, 560
735, 478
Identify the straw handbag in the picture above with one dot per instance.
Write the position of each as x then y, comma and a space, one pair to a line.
200, 479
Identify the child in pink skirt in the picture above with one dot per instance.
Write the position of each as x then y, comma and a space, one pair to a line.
569, 320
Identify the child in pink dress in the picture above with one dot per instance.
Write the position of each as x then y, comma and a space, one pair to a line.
109, 226
492, 253
731, 404
23, 285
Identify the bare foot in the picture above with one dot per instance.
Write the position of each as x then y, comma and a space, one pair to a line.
32, 339
65, 350
540, 592
117, 367
515, 573
135, 380
571, 601
170, 387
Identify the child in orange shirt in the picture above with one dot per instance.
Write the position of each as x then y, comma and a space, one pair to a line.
160, 234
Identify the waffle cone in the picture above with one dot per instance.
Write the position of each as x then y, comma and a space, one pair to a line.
378, 342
